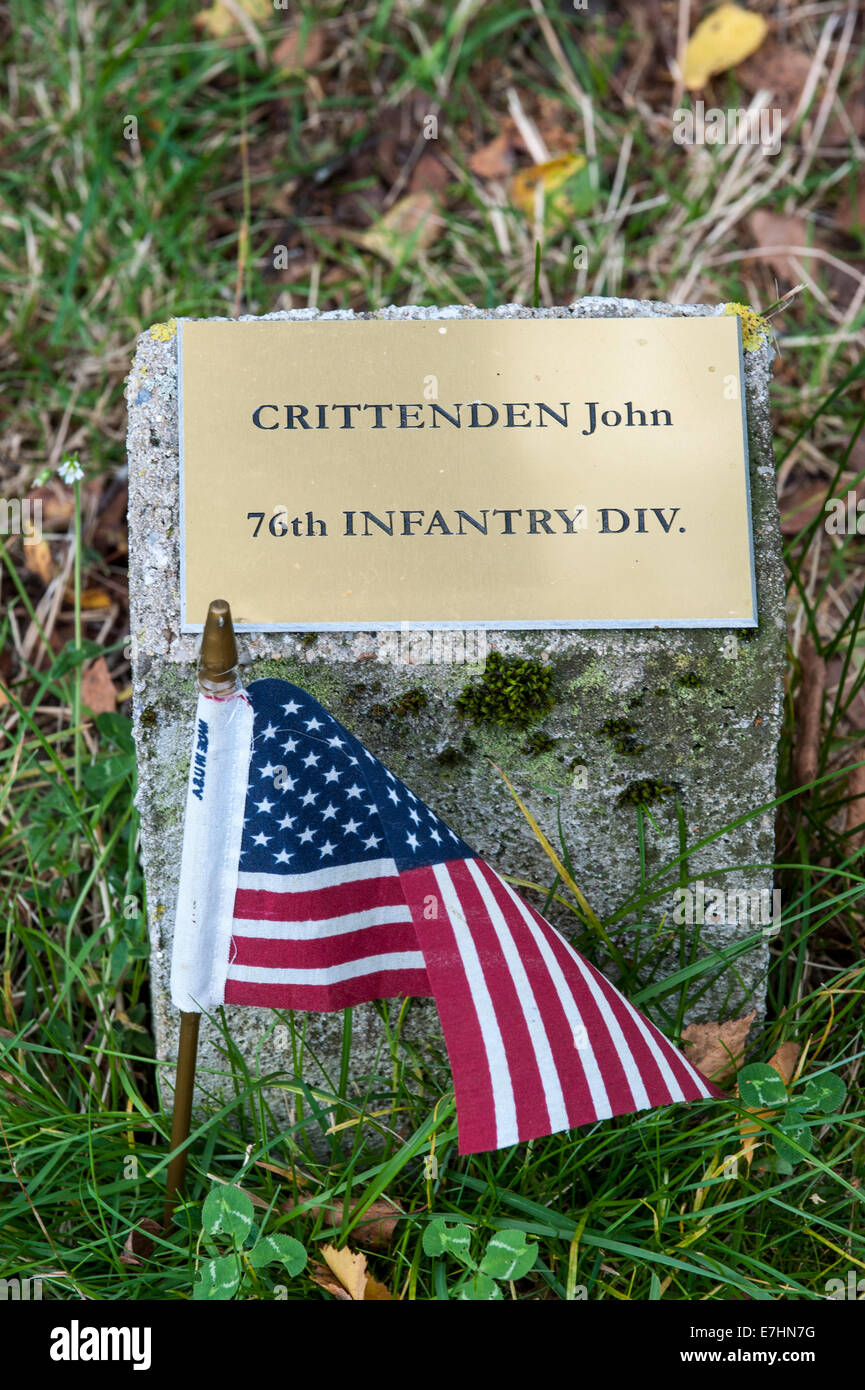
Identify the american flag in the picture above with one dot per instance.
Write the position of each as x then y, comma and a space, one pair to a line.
346, 887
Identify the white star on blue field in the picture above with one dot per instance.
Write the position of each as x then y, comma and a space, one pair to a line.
317, 798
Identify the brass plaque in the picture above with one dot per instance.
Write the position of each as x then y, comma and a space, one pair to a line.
549, 473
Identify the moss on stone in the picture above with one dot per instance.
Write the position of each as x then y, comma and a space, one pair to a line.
512, 692
645, 792
538, 741
622, 732
410, 702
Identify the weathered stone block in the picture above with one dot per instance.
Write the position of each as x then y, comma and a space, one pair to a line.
697, 711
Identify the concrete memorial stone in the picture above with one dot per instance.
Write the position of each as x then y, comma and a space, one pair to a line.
667, 695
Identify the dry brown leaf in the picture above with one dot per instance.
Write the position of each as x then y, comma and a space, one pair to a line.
376, 1228
780, 68
297, 51
785, 1059
97, 688
429, 175
772, 229
220, 20
321, 1275
38, 560
411, 220
800, 504
349, 1266
138, 1243
723, 39
717, 1049
495, 160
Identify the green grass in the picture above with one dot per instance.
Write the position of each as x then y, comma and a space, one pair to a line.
100, 236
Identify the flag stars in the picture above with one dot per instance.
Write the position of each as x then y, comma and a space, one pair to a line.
289, 745
269, 770
264, 806
269, 732
292, 707
283, 857
329, 812
336, 742
289, 783
309, 798
412, 841
351, 827
436, 836
326, 849
313, 723
372, 810
311, 760
306, 835
332, 776
261, 839
287, 822
372, 842
413, 815
353, 792
393, 796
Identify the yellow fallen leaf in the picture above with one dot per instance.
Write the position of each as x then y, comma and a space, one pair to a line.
38, 559
411, 221
724, 38
220, 20
552, 175
349, 1266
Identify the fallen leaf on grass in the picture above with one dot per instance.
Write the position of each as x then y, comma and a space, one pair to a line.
722, 40
805, 500
780, 68
553, 176
717, 1049
429, 175
221, 20
493, 161
410, 222
771, 230
97, 688
353, 1280
376, 1228
138, 1243
298, 50
38, 560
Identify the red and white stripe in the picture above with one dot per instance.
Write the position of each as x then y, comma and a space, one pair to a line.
539, 1041
323, 940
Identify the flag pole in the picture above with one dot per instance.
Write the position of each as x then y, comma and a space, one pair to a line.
217, 675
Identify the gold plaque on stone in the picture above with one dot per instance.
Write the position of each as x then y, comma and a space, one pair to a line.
502, 473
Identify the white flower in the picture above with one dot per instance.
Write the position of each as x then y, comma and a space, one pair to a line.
71, 471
